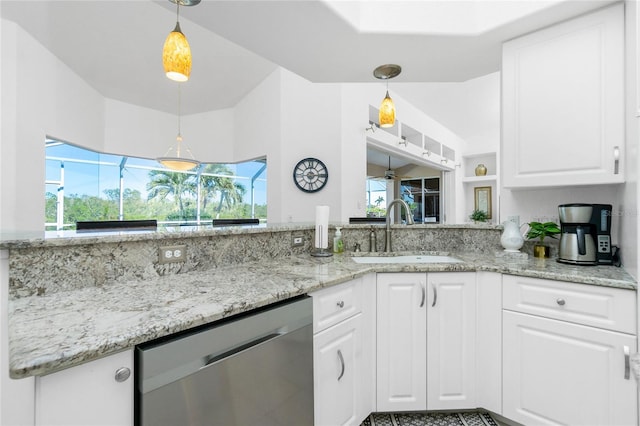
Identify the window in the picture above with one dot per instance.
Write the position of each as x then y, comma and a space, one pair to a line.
376, 198
86, 185
423, 197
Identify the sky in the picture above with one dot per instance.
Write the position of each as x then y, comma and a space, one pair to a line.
92, 179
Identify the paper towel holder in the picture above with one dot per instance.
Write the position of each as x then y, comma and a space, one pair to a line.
319, 251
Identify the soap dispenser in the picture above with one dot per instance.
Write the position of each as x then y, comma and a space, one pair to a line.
338, 245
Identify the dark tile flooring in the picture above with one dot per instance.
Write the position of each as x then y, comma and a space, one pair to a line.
472, 418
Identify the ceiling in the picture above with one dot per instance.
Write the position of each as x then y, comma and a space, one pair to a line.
115, 45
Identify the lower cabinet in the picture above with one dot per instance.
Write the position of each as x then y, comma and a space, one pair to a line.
337, 373
451, 340
99, 392
566, 353
426, 341
558, 373
344, 352
401, 342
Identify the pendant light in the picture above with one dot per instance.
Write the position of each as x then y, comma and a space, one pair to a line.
176, 53
173, 159
387, 113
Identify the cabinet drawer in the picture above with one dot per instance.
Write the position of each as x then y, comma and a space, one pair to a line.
334, 304
603, 307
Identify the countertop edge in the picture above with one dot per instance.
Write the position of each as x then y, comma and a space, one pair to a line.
22, 366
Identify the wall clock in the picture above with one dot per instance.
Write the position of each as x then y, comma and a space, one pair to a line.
310, 175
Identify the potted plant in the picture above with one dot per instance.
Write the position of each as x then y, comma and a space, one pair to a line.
478, 216
541, 230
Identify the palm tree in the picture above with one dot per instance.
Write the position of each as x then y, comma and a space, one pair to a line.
378, 201
165, 183
213, 182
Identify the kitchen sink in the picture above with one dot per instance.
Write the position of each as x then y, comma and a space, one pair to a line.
422, 258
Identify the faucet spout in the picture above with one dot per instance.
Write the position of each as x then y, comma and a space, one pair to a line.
402, 203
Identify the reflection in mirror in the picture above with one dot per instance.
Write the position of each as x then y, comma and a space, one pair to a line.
390, 177
85, 185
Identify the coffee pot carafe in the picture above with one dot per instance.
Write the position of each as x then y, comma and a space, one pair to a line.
577, 237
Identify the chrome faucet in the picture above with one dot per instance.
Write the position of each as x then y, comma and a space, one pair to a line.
387, 243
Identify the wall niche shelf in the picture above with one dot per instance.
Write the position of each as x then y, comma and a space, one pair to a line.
479, 179
470, 182
489, 159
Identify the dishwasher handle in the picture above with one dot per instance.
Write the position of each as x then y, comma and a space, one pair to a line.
213, 358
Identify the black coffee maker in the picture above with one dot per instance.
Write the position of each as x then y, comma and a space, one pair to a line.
585, 237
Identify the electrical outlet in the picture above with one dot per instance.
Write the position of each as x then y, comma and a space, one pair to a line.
297, 241
172, 254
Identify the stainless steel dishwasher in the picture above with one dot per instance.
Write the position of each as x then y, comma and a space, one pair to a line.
256, 369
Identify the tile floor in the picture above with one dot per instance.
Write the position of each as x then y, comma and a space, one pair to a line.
471, 418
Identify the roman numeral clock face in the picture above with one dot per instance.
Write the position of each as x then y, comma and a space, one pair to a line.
310, 175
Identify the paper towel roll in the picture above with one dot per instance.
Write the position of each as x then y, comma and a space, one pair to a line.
322, 227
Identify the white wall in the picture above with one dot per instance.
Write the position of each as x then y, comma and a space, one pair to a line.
470, 109
147, 133
40, 97
311, 123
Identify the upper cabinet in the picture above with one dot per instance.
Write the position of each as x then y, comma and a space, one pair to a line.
563, 103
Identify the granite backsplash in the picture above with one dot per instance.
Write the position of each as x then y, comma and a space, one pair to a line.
39, 269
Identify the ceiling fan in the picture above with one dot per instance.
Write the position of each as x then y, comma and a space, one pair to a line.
390, 174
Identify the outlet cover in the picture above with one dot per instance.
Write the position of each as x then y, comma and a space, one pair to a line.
172, 254
297, 241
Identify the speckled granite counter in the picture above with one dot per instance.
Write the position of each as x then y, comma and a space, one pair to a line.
65, 328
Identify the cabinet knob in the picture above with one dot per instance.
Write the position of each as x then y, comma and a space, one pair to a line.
122, 374
340, 304
560, 302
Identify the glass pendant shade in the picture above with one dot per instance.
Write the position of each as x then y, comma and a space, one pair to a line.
176, 56
387, 114
178, 162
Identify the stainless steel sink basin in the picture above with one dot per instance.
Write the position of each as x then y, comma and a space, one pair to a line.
421, 258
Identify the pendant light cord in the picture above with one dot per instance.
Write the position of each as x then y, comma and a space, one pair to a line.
179, 107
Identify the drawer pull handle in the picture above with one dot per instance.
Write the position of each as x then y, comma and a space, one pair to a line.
424, 296
341, 358
122, 374
560, 302
616, 160
340, 304
627, 367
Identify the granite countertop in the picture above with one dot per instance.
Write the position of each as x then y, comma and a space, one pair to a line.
59, 330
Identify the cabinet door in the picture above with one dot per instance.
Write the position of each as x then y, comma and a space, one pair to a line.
558, 373
563, 103
489, 341
336, 370
88, 394
402, 342
451, 341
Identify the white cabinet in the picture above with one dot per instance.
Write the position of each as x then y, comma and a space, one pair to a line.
563, 103
336, 373
426, 341
88, 394
566, 350
489, 341
344, 350
401, 342
559, 373
451, 340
